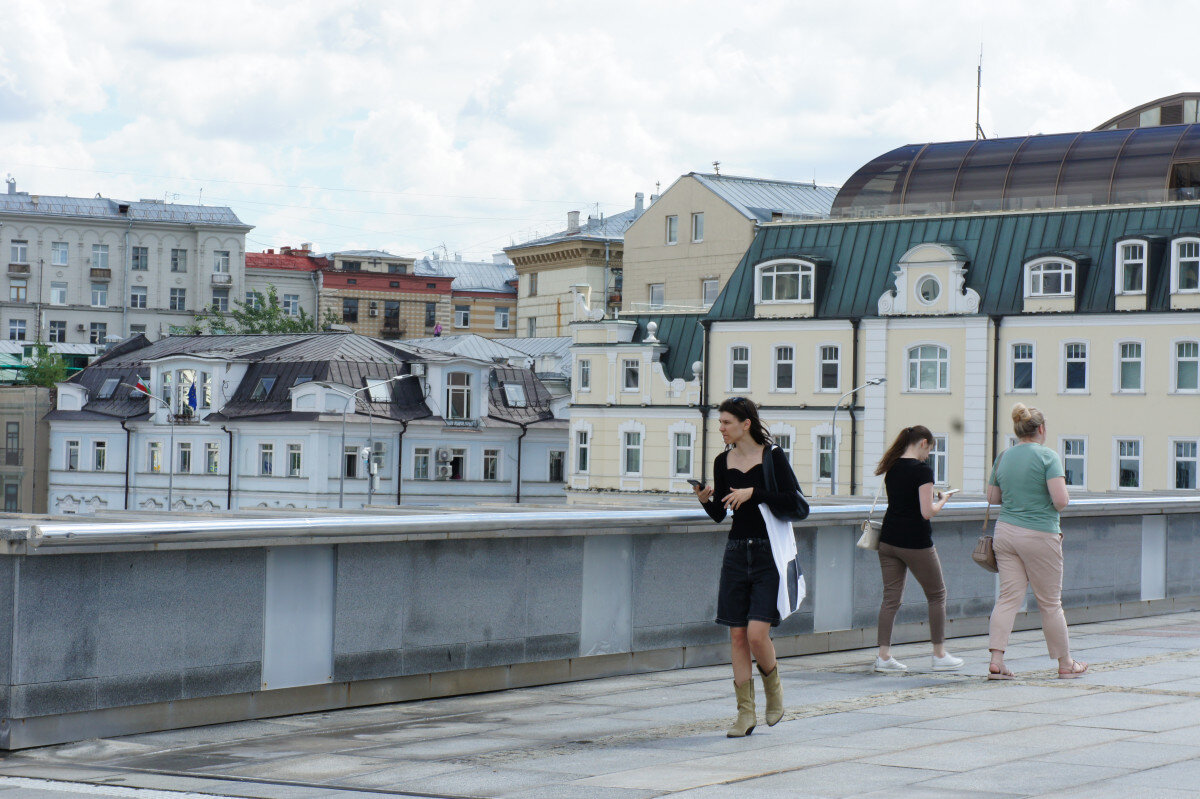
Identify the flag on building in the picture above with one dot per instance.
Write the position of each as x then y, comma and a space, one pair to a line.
192, 401
142, 387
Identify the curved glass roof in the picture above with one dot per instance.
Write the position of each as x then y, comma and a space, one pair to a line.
1139, 165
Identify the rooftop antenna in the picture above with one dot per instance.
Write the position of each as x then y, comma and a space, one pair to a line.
979, 134
717, 167
658, 187
200, 197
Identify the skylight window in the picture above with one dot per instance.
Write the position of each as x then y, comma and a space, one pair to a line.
378, 390
515, 395
110, 385
303, 379
263, 389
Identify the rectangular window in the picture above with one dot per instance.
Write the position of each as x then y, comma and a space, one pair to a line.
681, 458
137, 296
205, 393
1051, 279
1075, 357
185, 457
97, 332
1187, 365
220, 300
430, 314
58, 293
179, 260
458, 464
533, 281
16, 329
784, 442
1185, 456
137, 329
582, 450
59, 253
72, 458
630, 370
785, 368
252, 298
349, 309
212, 458
12, 440
739, 368
140, 259
58, 331
1129, 463
1130, 358
378, 456
178, 299
17, 289
154, 456
100, 256
557, 464
421, 463
830, 368
531, 327
19, 252
291, 304
266, 459
501, 320
824, 457
99, 456
1074, 454
166, 394
697, 227
491, 464
221, 261
462, 315
585, 375
1187, 265
1132, 268
12, 497
295, 459
928, 368
672, 230
458, 396
709, 289
1022, 367
656, 295
99, 295
631, 456
937, 459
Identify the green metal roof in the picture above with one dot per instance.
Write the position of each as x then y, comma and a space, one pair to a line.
861, 254
682, 334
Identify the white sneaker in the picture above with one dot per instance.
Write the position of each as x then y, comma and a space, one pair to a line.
889, 666
948, 663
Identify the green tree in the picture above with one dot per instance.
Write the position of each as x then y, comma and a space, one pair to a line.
47, 368
264, 314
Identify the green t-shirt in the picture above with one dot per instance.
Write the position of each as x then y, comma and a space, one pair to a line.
1021, 473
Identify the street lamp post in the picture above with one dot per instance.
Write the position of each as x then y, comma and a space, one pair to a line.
875, 381
170, 444
350, 395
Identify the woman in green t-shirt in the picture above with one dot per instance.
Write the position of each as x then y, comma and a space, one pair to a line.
1028, 484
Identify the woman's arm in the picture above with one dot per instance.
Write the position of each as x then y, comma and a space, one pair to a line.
993, 495
714, 507
1058, 492
785, 482
929, 508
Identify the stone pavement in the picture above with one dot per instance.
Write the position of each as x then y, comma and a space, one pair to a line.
1129, 728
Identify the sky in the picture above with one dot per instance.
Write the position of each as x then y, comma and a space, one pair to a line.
464, 126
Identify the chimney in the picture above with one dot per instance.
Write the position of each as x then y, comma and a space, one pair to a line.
270, 251
458, 256
653, 199
306, 246
637, 203
12, 184
285, 250
572, 221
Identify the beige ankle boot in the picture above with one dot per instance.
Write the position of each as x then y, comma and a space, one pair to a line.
774, 691
745, 717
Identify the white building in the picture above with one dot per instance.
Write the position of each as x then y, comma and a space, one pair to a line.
283, 421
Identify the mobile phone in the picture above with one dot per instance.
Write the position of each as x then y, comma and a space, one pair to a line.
950, 491
695, 483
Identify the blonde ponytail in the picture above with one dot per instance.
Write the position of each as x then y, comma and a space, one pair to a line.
1026, 420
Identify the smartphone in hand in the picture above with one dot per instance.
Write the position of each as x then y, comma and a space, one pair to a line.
695, 483
949, 492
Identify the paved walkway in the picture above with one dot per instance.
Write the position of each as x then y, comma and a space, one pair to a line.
1130, 728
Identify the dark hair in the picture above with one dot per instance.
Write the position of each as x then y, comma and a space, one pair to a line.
908, 436
745, 409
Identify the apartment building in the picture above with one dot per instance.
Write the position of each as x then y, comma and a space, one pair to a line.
23, 465
483, 296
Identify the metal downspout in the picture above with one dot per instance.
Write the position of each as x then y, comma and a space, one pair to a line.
707, 325
127, 260
524, 430
229, 481
854, 322
996, 320
127, 444
400, 462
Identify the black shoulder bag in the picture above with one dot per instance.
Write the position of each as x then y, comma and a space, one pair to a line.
795, 507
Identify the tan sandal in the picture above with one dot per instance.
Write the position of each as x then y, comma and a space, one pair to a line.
1000, 672
1077, 670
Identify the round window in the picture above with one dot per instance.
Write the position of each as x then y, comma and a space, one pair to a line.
928, 289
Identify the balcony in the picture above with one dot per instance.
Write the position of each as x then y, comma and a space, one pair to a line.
469, 424
18, 270
100, 273
222, 279
13, 456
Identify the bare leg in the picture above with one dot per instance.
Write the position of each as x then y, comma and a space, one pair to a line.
739, 645
759, 636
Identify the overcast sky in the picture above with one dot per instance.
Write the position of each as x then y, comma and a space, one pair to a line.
471, 125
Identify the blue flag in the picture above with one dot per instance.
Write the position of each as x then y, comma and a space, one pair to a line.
192, 396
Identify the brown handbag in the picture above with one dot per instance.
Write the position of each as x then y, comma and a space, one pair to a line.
984, 554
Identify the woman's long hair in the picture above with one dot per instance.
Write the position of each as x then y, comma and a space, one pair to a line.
908, 436
743, 409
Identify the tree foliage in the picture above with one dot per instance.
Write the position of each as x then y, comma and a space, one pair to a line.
263, 314
47, 368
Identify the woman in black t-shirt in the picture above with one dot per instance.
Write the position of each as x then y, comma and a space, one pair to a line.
906, 544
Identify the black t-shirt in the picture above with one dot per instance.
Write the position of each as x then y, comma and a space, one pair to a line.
903, 524
747, 520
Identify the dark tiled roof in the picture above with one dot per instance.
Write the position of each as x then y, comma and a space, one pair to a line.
861, 255
683, 336
537, 397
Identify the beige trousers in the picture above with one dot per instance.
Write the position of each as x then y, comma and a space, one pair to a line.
1029, 557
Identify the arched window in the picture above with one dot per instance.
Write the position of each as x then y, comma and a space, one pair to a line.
928, 368
784, 281
1050, 277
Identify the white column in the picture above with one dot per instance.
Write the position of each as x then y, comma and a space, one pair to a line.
875, 364
976, 383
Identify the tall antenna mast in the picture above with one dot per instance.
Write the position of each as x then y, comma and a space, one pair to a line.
978, 90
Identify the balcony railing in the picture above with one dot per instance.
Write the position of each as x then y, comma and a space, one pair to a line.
14, 456
18, 269
468, 423
222, 279
100, 273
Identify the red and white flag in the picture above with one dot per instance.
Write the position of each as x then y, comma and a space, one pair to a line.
142, 387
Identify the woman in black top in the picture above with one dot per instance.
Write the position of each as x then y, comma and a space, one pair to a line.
749, 589
906, 544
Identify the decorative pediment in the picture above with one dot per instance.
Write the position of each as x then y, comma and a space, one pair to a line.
930, 280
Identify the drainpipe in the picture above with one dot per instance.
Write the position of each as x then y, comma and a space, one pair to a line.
707, 325
229, 481
400, 462
996, 320
524, 430
854, 323
127, 445
128, 259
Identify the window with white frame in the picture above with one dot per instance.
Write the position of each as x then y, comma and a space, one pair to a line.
139, 259
71, 461
1184, 459
787, 281
1050, 278
266, 459
928, 368
1129, 366
421, 463
221, 261
697, 227
739, 368
785, 369
491, 464
672, 230
1185, 265
185, 457
97, 332
138, 296
178, 260
1131, 267
824, 457
350, 460
462, 315
379, 455
1129, 463
531, 327
1022, 367
937, 459
784, 442
16, 329
220, 300
291, 304
1187, 366
178, 300
501, 319
100, 256
59, 253
1074, 456
630, 371
295, 454
631, 452
458, 395
458, 463
99, 456
19, 252
154, 456
1075, 366
585, 375
657, 294
99, 295
681, 454
58, 330
58, 293
830, 366
18, 288
709, 289
582, 450
557, 466
212, 458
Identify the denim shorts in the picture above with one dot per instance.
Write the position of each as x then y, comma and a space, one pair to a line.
749, 584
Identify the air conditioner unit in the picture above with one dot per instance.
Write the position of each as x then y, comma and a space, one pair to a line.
443, 471
417, 369
81, 327
443, 454
374, 312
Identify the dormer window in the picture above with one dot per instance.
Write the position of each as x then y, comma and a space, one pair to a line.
458, 395
1050, 277
514, 395
378, 390
784, 281
1185, 265
1131, 267
263, 389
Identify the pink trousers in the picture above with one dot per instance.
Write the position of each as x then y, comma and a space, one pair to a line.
1029, 557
